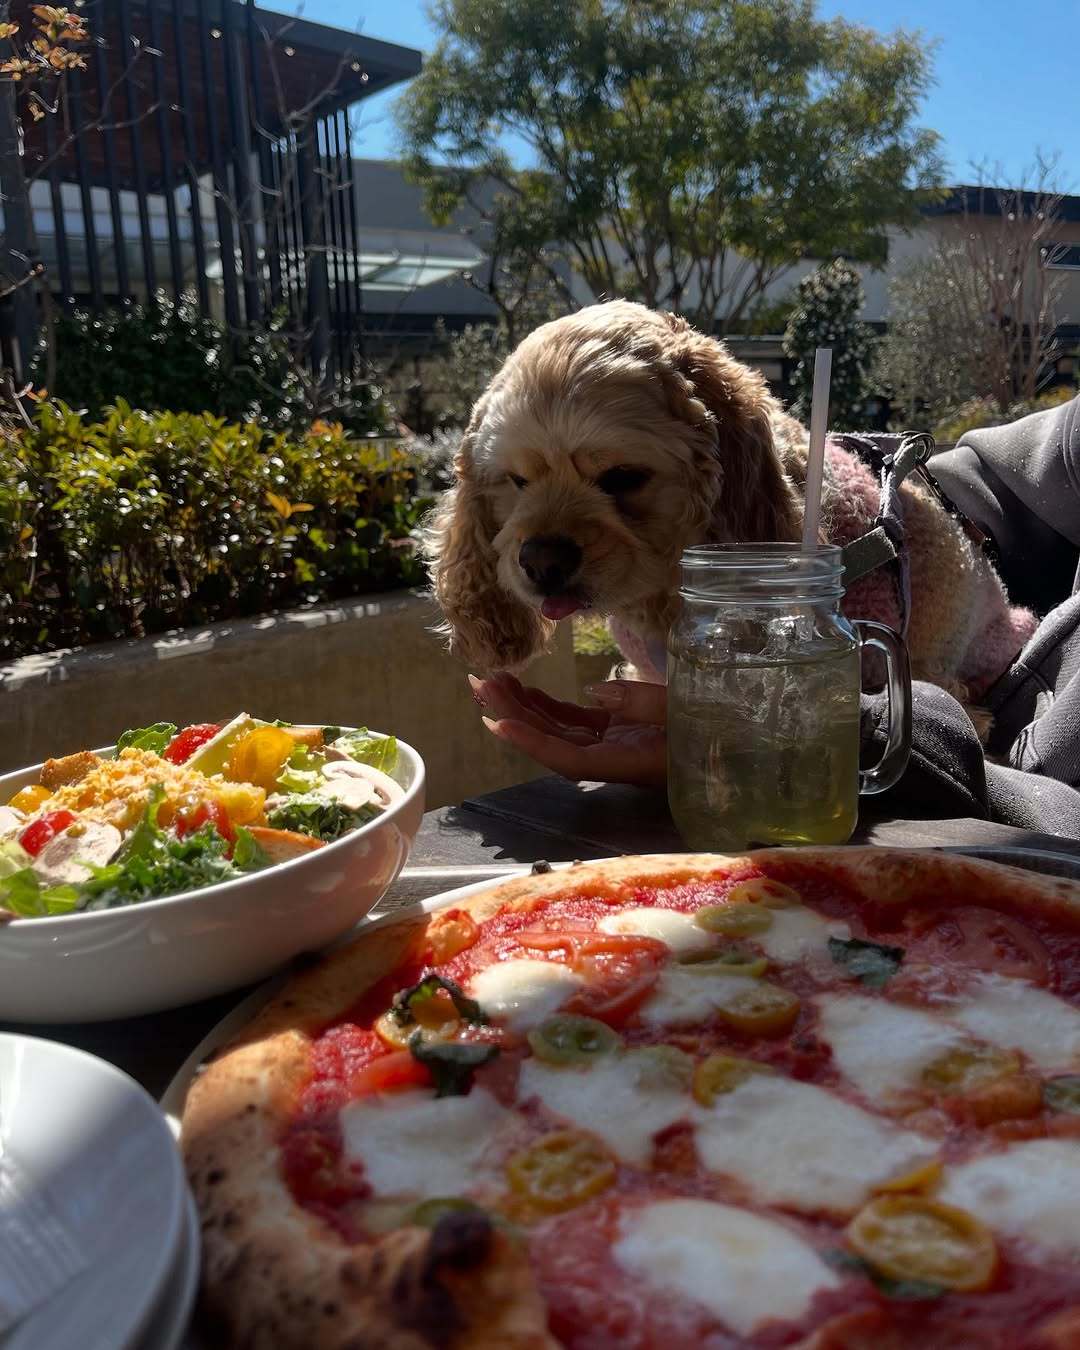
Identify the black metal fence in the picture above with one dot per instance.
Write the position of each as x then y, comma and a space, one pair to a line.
206, 150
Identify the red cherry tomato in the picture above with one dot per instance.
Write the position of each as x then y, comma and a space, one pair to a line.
620, 969
396, 1070
38, 833
212, 812
183, 746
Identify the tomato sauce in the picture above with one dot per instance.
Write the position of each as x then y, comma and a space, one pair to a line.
593, 1304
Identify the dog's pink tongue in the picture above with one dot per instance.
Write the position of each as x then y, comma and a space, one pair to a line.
560, 607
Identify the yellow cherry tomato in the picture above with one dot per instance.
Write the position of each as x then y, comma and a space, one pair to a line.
740, 919
259, 756
29, 799
764, 891
659, 1067
243, 802
398, 1035
561, 1170
968, 1066
765, 1010
919, 1178
908, 1237
730, 961
723, 1073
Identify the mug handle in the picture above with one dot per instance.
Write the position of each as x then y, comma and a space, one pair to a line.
894, 760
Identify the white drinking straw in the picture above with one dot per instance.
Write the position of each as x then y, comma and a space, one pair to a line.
815, 464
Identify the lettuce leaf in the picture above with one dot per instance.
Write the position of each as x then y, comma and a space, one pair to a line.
302, 771
321, 817
13, 857
154, 862
23, 894
378, 751
154, 738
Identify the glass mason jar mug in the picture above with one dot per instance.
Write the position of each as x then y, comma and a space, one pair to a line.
764, 677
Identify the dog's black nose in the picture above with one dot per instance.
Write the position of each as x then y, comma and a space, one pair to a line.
550, 561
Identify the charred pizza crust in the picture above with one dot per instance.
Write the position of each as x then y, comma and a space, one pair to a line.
275, 1276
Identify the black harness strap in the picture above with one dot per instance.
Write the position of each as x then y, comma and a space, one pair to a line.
894, 458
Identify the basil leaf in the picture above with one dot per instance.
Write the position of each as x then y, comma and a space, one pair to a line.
1063, 1093
451, 1063
154, 738
402, 1010
901, 1290
331, 734
870, 962
429, 1212
907, 1290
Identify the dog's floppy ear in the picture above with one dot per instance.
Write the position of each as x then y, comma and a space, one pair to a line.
755, 501
488, 628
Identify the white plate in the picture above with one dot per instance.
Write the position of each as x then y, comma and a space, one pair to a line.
113, 1170
172, 1315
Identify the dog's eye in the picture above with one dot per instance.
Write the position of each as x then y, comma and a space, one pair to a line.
621, 479
517, 480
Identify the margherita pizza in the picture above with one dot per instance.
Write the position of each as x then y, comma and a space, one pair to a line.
816, 1098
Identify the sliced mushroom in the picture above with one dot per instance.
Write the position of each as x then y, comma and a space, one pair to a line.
346, 785
11, 819
68, 858
348, 775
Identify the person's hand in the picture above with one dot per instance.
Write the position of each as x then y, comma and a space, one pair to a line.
624, 740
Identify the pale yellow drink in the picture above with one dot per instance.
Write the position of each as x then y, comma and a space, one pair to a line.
765, 751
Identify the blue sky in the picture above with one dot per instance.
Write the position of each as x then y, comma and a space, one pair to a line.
1006, 72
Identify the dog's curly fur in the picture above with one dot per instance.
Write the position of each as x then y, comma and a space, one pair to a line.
617, 385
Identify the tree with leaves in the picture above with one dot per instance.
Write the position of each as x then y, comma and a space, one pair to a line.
826, 314
683, 152
977, 317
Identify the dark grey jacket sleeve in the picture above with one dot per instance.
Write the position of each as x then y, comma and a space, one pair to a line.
1021, 484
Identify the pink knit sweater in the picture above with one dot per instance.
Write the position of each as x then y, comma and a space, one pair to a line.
850, 510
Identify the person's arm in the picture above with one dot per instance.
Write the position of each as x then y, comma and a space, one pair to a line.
1021, 484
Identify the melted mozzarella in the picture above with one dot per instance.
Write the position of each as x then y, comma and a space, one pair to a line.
678, 931
684, 995
1017, 1016
796, 1144
414, 1144
798, 934
882, 1047
616, 1098
745, 1269
1029, 1190
524, 992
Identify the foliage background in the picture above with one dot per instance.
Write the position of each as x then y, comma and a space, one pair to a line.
143, 522
826, 314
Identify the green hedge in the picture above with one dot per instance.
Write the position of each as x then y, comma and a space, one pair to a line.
144, 522
169, 357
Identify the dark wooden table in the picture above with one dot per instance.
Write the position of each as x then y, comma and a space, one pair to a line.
489, 837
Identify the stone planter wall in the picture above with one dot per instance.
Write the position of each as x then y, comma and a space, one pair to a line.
371, 661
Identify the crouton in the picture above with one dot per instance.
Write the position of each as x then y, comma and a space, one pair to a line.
58, 773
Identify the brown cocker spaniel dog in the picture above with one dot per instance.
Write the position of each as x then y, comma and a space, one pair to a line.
615, 438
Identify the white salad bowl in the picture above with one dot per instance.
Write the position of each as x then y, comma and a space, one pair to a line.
163, 953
